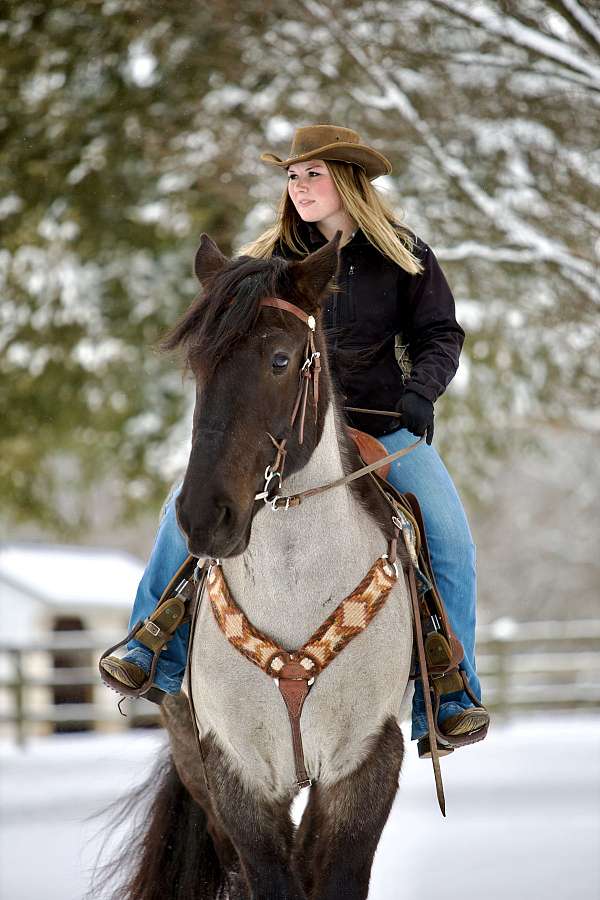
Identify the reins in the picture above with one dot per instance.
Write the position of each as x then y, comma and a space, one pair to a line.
285, 501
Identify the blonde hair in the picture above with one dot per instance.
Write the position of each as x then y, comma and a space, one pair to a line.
362, 202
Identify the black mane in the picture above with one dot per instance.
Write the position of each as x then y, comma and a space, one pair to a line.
225, 311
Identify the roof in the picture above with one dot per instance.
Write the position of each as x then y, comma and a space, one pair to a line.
62, 575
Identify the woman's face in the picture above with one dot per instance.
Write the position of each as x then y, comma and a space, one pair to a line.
312, 190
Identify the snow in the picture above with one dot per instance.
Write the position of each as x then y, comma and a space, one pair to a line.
523, 814
141, 67
278, 129
9, 205
78, 576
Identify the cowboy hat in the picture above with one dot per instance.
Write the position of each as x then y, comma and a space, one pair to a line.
332, 142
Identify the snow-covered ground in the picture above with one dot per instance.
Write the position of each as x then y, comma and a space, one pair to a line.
523, 815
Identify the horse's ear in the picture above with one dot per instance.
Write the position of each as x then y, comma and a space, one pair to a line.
208, 260
313, 274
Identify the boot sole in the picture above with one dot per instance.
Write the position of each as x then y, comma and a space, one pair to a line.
153, 694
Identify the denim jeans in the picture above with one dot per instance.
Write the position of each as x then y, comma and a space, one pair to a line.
452, 557
168, 554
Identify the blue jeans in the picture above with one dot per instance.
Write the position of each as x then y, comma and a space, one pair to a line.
168, 554
452, 557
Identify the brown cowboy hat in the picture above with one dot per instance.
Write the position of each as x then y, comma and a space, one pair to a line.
332, 142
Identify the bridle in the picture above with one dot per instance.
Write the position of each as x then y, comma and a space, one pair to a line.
310, 372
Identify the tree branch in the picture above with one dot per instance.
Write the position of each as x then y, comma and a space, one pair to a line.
520, 35
580, 21
539, 67
472, 249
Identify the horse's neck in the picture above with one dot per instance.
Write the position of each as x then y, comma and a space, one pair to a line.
321, 549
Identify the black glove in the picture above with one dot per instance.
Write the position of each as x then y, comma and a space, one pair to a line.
417, 414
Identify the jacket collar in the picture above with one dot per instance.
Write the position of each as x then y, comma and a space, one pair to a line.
313, 235
315, 239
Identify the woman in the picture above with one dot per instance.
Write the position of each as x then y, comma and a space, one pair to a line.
389, 285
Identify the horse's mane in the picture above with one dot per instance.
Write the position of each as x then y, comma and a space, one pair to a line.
225, 311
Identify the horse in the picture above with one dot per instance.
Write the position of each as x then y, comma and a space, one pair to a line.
220, 824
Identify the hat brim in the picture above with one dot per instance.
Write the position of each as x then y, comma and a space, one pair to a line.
372, 162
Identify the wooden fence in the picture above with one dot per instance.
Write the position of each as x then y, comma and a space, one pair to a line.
540, 665
523, 666
54, 685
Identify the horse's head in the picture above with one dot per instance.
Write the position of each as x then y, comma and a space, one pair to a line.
246, 358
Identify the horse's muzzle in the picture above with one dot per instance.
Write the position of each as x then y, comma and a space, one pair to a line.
214, 528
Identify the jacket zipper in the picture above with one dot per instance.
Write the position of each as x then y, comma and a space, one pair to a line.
351, 317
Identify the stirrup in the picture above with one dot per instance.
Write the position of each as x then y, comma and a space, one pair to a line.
154, 632
446, 743
424, 748
111, 680
114, 684
157, 629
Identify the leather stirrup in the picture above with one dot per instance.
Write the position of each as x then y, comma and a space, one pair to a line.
158, 628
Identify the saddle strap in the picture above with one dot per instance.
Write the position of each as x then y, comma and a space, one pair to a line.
434, 596
435, 759
443, 650
294, 686
201, 577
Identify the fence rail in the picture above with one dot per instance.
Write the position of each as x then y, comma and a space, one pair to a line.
523, 666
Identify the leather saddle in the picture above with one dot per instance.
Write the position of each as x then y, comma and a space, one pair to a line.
370, 449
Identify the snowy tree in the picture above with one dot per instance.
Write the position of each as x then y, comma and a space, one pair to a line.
128, 128
109, 170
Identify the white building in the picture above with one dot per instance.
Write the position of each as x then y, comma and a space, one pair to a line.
53, 597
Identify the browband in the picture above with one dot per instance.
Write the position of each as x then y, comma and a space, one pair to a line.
276, 303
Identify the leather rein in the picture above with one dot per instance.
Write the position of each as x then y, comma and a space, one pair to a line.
310, 372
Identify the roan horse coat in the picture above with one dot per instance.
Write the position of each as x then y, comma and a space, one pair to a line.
220, 823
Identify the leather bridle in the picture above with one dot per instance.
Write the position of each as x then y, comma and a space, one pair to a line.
310, 372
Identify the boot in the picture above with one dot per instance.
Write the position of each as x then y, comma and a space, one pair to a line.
469, 721
127, 678
468, 727
154, 633
129, 674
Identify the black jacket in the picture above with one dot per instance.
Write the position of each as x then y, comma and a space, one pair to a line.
378, 300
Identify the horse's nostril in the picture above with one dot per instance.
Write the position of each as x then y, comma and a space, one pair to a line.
182, 519
226, 513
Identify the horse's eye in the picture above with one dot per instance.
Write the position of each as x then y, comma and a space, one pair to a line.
280, 361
